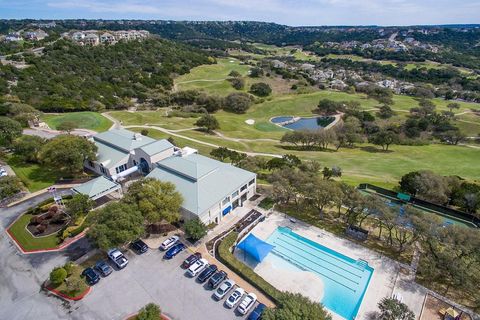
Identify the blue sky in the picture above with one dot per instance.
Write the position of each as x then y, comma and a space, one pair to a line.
291, 12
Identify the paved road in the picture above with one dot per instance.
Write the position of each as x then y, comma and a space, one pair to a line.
148, 278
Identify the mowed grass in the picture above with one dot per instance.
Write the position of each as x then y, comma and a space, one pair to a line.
83, 120
27, 240
33, 176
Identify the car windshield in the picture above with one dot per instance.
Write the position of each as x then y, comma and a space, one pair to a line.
220, 290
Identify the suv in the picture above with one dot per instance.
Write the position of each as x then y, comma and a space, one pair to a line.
247, 303
207, 273
102, 267
257, 312
197, 267
224, 288
167, 244
91, 276
217, 278
191, 260
139, 246
118, 258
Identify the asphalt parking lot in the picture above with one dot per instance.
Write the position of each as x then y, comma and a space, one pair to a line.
149, 278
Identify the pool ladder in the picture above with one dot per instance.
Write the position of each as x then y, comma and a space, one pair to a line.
362, 263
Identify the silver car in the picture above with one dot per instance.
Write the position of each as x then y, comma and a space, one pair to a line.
224, 288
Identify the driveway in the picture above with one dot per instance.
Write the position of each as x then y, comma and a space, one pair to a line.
146, 279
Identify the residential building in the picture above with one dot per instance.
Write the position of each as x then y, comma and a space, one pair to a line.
107, 38
13, 37
35, 35
78, 36
91, 39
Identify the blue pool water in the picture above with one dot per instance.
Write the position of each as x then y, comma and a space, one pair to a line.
345, 279
302, 124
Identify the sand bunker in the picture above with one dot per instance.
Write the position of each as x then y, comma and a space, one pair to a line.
250, 121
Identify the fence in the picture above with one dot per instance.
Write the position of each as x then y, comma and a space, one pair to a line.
425, 204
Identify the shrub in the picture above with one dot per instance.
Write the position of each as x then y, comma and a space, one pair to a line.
150, 312
260, 89
195, 229
58, 275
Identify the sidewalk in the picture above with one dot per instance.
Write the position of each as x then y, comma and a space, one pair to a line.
39, 192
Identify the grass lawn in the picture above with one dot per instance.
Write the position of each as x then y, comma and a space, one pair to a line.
84, 120
33, 176
27, 240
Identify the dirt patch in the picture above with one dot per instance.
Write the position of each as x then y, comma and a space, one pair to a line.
432, 309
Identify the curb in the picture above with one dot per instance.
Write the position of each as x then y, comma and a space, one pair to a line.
59, 248
64, 296
162, 316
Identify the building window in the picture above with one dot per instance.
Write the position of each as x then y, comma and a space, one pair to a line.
251, 182
235, 194
91, 164
243, 188
135, 162
225, 201
122, 168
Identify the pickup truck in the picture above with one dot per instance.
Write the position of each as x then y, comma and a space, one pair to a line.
118, 258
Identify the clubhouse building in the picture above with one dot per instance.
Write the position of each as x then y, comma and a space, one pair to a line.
211, 189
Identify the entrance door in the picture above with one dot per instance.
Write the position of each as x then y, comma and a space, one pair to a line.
144, 167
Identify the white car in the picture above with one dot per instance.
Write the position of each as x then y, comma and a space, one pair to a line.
170, 242
224, 288
234, 297
247, 303
197, 267
118, 258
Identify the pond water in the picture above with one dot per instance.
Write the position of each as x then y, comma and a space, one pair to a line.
312, 123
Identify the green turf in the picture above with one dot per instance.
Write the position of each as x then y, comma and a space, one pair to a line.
33, 176
27, 240
84, 120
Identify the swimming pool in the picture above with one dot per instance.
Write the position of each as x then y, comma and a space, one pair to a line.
312, 123
345, 280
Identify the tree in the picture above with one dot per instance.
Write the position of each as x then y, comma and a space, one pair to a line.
9, 186
156, 200
322, 193
385, 112
325, 137
260, 89
238, 102
9, 131
384, 138
67, 126
220, 153
234, 74
426, 185
256, 72
195, 229
28, 147
208, 122
115, 225
328, 107
392, 309
210, 103
237, 83
382, 95
58, 276
79, 205
294, 306
349, 133
144, 132
67, 153
453, 105
150, 312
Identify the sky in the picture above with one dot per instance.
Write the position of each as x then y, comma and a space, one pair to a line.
289, 12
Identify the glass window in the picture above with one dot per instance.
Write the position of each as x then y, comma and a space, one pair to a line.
226, 200
251, 182
235, 194
243, 188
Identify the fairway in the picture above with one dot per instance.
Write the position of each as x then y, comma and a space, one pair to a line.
83, 120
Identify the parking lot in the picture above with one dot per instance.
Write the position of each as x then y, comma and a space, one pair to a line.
149, 278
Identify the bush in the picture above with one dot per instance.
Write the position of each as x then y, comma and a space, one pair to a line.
238, 102
227, 258
69, 267
260, 89
58, 275
150, 312
195, 229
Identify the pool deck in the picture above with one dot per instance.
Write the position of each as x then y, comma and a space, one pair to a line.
386, 278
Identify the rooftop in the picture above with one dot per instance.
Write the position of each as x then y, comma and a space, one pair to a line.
97, 187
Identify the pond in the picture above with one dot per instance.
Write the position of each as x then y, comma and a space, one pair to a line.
300, 123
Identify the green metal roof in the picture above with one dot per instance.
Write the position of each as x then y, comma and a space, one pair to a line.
202, 181
123, 139
157, 147
109, 156
97, 187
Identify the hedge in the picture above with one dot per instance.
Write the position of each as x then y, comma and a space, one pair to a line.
227, 258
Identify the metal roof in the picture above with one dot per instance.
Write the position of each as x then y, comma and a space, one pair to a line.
157, 147
203, 182
123, 139
97, 187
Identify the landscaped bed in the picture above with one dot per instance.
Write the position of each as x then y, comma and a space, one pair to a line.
73, 287
26, 240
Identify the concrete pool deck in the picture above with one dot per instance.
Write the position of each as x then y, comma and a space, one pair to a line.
386, 278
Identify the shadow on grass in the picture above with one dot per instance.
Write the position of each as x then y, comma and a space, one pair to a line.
298, 148
373, 149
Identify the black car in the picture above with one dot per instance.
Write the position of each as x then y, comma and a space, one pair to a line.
207, 273
257, 312
91, 276
139, 246
191, 260
217, 278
